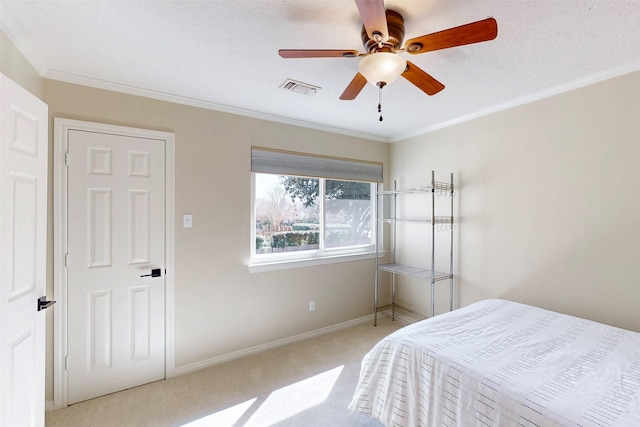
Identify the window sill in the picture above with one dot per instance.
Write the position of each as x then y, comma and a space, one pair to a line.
260, 267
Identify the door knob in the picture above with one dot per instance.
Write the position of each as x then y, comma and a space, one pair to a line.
43, 304
156, 272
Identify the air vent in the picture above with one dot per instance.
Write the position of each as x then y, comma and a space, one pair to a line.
299, 87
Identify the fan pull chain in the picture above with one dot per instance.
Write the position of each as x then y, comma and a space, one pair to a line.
380, 102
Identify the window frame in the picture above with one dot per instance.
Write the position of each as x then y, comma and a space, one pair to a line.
322, 255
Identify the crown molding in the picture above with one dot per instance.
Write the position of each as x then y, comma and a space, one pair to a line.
546, 93
590, 79
161, 96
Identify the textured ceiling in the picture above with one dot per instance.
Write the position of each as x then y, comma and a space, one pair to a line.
223, 55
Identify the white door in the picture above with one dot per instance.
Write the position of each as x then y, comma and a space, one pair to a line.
115, 239
23, 240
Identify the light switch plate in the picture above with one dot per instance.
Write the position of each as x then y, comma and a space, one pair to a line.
187, 220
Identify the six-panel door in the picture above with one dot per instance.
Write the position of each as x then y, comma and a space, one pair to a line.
115, 238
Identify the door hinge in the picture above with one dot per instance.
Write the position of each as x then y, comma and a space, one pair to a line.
66, 363
66, 260
66, 158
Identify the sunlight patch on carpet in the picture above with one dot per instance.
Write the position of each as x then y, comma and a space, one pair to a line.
225, 417
293, 399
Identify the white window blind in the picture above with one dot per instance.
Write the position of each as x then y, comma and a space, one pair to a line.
265, 160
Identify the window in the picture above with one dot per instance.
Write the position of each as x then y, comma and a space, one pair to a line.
297, 216
348, 219
304, 217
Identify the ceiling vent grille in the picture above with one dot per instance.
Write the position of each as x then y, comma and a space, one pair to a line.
299, 87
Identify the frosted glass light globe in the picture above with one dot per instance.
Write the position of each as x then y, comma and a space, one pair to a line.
382, 67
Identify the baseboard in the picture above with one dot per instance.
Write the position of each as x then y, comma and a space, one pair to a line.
48, 405
193, 367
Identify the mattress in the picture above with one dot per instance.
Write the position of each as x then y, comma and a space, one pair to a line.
501, 363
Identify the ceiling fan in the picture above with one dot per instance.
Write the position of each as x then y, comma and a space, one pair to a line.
382, 35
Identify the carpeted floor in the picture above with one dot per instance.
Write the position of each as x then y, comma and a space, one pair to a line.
309, 383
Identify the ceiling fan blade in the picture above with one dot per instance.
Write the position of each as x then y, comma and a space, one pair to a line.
354, 88
475, 32
318, 53
422, 80
374, 18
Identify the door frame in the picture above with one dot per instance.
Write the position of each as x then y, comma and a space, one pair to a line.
62, 126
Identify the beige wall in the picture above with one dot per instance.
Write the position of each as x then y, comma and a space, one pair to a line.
548, 203
221, 307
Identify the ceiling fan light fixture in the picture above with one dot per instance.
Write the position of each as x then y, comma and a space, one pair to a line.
382, 67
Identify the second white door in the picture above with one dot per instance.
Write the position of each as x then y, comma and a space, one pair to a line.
115, 264
23, 254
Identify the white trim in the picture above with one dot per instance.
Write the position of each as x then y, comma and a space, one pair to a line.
170, 256
590, 79
259, 267
60, 186
207, 363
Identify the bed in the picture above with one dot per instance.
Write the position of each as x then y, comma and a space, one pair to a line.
501, 363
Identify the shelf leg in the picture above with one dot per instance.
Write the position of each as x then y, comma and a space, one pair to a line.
375, 298
393, 297
451, 252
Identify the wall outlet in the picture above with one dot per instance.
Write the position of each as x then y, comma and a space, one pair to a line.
312, 305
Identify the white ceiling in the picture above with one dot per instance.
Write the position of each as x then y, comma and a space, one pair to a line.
223, 55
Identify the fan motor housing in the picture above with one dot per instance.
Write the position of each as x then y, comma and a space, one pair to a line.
395, 27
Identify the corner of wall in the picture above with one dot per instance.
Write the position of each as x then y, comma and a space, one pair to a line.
15, 65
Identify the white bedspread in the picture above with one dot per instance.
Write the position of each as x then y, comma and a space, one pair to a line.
500, 363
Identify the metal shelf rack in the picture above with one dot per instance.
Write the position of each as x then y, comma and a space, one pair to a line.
436, 188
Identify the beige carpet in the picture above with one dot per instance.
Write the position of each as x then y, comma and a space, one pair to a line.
309, 383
